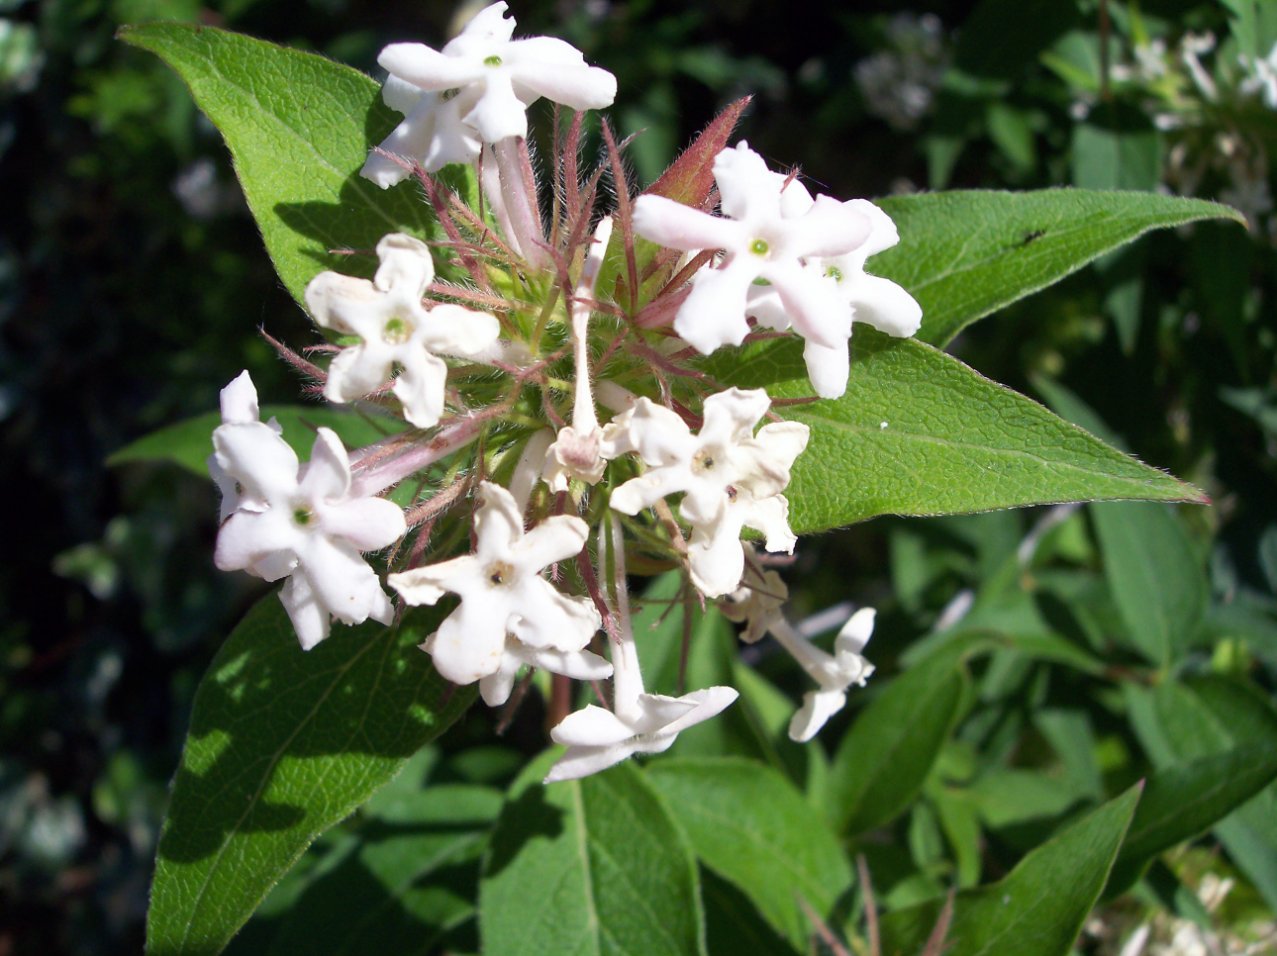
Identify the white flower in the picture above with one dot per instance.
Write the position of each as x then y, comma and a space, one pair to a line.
873, 300
396, 330
300, 522
772, 227
509, 614
1262, 77
756, 606
731, 478
833, 672
639, 723
477, 89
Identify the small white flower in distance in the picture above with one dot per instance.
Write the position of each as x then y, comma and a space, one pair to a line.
482, 81
731, 478
873, 300
772, 228
395, 329
504, 597
639, 723
301, 522
1261, 77
833, 672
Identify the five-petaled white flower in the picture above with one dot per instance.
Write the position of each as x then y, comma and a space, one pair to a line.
772, 226
638, 723
300, 522
396, 330
477, 90
509, 614
731, 478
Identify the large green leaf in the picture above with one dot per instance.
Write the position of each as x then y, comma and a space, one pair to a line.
964, 255
283, 744
189, 443
595, 866
1155, 575
882, 762
1038, 907
299, 128
919, 433
749, 825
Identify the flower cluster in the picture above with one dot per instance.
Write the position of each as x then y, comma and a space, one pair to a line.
561, 418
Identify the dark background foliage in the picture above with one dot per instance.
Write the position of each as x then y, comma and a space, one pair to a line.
132, 282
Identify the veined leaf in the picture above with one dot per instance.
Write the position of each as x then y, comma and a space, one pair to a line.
589, 867
189, 443
1155, 577
283, 744
750, 826
298, 127
919, 433
964, 255
1038, 907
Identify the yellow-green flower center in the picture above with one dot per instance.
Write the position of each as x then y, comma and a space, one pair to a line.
396, 331
759, 247
493, 60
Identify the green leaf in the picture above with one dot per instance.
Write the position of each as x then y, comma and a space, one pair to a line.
1155, 576
283, 744
189, 443
884, 759
397, 884
298, 127
1184, 800
750, 826
1182, 721
1039, 907
964, 255
919, 433
594, 866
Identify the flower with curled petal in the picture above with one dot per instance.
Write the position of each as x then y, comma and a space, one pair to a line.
480, 83
396, 330
638, 723
301, 522
730, 477
509, 614
769, 230
239, 413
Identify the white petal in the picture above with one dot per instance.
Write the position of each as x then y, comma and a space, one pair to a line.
710, 702
884, 305
420, 387
828, 368
542, 617
818, 706
745, 184
367, 523
771, 517
309, 618
427, 69
258, 458
455, 330
673, 224
498, 523
326, 476
579, 665
730, 415
829, 228
239, 401
813, 301
245, 537
400, 95
406, 264
500, 113
357, 370
342, 581
714, 313
427, 585
495, 688
716, 559
882, 230
763, 303
552, 68
582, 761
591, 727
470, 642
856, 632
345, 304
555, 539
